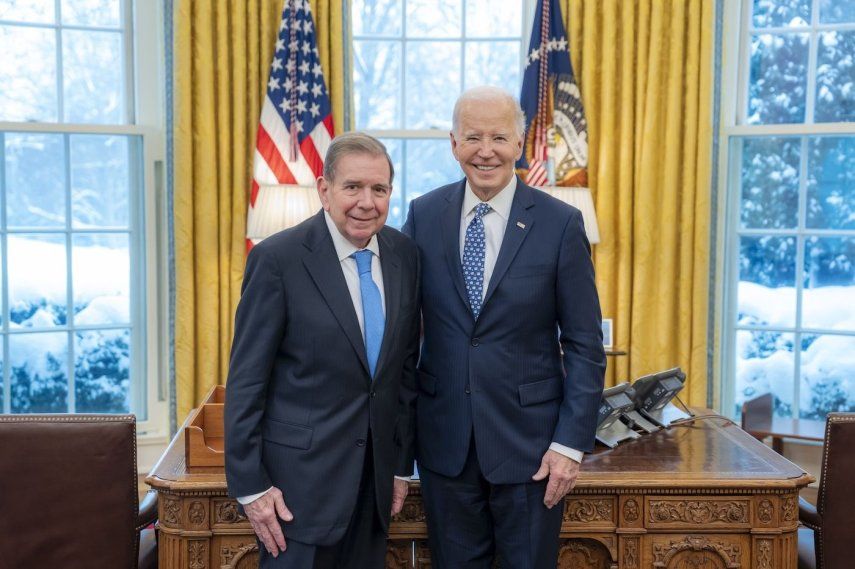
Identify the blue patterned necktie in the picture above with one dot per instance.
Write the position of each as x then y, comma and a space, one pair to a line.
372, 308
473, 258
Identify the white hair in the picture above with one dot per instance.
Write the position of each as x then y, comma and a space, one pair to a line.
488, 93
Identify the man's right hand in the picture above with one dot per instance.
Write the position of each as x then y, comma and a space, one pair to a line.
264, 514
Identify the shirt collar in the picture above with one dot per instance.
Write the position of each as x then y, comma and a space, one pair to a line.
343, 247
501, 202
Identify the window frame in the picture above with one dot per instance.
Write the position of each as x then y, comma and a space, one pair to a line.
732, 131
405, 134
143, 75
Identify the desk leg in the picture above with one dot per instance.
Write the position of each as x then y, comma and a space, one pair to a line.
778, 445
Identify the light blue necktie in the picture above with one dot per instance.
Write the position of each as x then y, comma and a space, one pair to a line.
473, 258
372, 308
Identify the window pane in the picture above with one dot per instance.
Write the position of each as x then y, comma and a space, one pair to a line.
766, 294
100, 273
39, 372
776, 13
102, 378
397, 212
770, 183
36, 11
829, 283
831, 183
764, 364
35, 180
92, 77
493, 63
434, 19
430, 164
835, 77
37, 280
376, 84
100, 13
100, 181
776, 93
377, 17
432, 83
836, 12
493, 18
27, 74
827, 375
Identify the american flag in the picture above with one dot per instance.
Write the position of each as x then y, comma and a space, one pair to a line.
296, 124
556, 142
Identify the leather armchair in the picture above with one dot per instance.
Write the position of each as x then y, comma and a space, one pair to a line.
68, 493
826, 533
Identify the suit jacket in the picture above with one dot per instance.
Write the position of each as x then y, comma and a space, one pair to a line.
299, 399
504, 376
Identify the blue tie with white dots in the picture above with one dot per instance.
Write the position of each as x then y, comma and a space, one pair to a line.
372, 308
473, 258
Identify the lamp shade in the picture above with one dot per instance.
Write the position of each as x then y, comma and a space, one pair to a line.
581, 199
280, 207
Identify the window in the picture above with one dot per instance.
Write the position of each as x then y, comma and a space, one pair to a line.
78, 154
789, 274
411, 59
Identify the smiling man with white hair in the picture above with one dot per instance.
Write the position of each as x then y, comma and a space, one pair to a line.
507, 406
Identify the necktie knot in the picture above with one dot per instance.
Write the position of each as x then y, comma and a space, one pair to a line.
482, 209
363, 261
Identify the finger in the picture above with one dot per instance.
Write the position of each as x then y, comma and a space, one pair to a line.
266, 539
281, 509
542, 472
276, 532
549, 497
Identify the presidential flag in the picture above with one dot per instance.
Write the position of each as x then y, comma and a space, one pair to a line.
296, 124
556, 140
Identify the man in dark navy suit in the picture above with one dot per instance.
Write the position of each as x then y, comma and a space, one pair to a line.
321, 387
512, 362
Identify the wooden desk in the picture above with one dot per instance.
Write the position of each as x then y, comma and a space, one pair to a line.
702, 495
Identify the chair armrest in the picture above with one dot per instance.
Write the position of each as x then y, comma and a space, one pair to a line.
148, 510
808, 516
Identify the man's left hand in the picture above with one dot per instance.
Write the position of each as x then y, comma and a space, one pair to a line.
562, 472
399, 494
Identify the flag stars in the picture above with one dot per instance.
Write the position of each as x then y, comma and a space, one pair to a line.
292, 45
317, 90
316, 70
277, 64
306, 48
273, 84
291, 66
301, 106
280, 45
307, 26
304, 67
299, 125
302, 87
315, 109
288, 84
285, 105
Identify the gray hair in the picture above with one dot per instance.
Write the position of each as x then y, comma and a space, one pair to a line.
488, 93
354, 143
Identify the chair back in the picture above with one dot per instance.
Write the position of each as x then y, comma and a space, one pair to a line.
836, 500
68, 491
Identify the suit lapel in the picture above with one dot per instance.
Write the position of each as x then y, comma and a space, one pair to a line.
325, 269
392, 285
520, 223
451, 238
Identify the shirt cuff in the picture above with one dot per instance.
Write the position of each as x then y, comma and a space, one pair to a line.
404, 478
246, 500
571, 453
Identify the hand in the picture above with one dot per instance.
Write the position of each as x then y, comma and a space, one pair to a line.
262, 514
399, 494
562, 473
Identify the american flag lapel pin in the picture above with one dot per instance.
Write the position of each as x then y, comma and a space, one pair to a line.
521, 225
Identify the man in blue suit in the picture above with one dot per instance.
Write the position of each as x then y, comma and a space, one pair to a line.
512, 363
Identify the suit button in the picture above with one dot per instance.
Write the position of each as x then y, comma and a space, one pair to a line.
468, 391
360, 442
475, 342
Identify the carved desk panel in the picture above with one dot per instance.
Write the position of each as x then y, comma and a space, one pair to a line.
702, 495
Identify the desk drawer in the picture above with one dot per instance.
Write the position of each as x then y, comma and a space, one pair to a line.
696, 513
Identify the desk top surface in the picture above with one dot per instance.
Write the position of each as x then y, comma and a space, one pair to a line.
709, 451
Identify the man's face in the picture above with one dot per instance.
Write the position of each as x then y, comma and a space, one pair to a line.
358, 199
487, 145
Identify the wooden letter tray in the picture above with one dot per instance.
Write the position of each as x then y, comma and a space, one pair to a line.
203, 435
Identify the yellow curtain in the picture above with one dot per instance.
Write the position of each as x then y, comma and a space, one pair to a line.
645, 70
222, 53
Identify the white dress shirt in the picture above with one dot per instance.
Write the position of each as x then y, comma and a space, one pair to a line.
495, 223
344, 249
